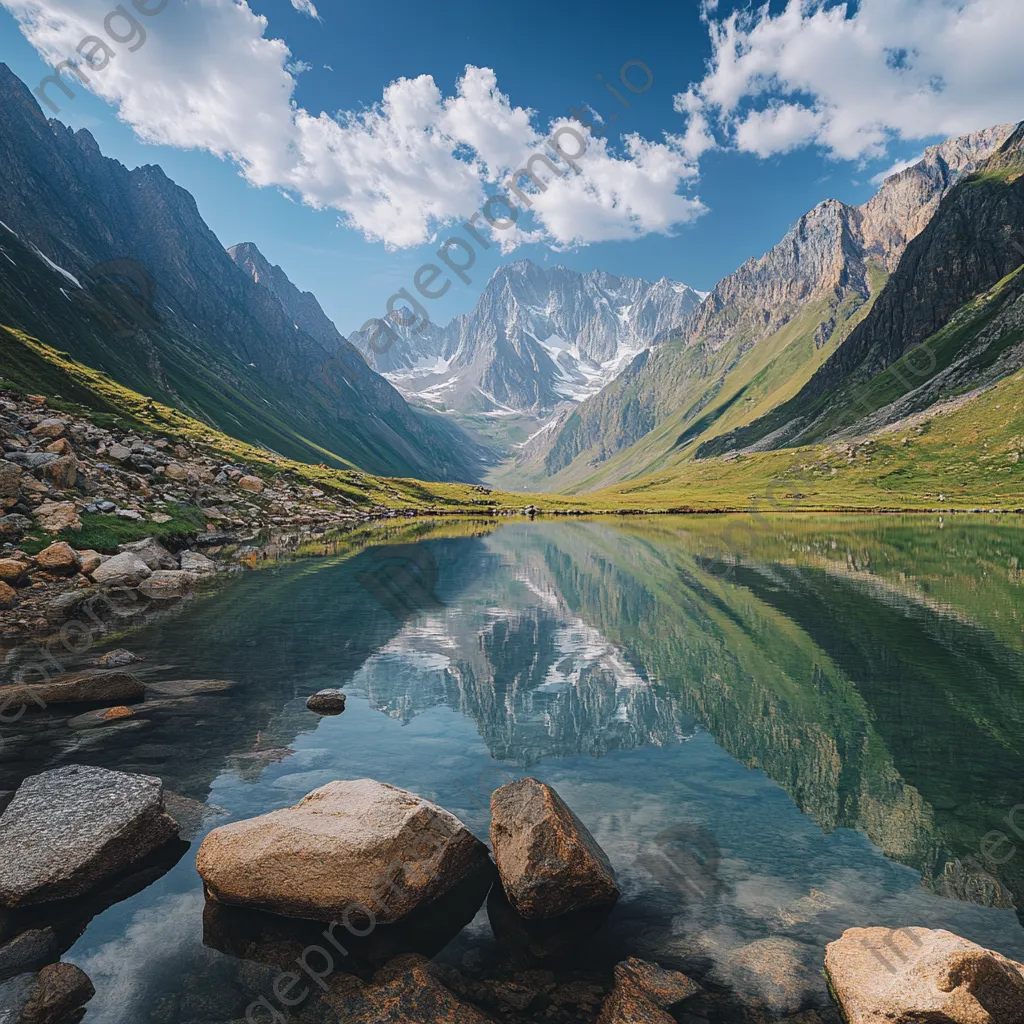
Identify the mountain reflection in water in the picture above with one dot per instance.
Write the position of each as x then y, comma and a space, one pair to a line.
775, 733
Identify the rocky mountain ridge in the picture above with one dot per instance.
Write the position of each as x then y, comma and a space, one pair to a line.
118, 267
835, 255
537, 338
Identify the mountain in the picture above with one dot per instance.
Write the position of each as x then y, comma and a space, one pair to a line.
758, 337
117, 267
910, 351
536, 339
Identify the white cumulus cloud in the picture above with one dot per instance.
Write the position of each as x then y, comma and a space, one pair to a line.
853, 77
209, 77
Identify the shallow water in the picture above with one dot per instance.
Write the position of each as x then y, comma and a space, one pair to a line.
777, 729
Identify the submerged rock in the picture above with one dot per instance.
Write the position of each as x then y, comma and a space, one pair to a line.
327, 702
117, 658
94, 685
643, 992
407, 989
348, 848
916, 974
549, 862
168, 584
69, 829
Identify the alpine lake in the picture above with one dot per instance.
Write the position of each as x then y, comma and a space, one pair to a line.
777, 728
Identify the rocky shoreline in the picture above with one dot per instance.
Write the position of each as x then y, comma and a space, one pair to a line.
340, 903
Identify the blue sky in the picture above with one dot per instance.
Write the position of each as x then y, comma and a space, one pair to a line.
779, 149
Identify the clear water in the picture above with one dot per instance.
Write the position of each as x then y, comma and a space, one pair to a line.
776, 732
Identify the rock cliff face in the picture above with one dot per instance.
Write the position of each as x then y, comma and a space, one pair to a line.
833, 254
537, 338
117, 267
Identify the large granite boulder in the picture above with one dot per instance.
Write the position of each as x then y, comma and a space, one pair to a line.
126, 568
549, 862
92, 686
68, 829
408, 989
345, 851
911, 975
152, 552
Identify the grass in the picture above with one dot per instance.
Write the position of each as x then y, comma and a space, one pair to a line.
105, 533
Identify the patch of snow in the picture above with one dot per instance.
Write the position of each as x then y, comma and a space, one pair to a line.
55, 266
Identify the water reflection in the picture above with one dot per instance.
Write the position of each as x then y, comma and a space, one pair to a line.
869, 670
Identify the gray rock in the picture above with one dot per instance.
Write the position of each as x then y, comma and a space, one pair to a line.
168, 584
69, 829
126, 568
327, 702
14, 525
119, 453
192, 561
10, 479
152, 552
28, 952
117, 658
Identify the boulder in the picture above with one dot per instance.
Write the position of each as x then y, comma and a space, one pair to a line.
62, 472
50, 427
55, 516
167, 584
126, 568
119, 453
348, 846
10, 479
408, 989
95, 685
14, 526
13, 570
253, 484
28, 952
59, 992
90, 560
643, 992
549, 863
192, 561
60, 558
70, 828
882, 976
174, 471
327, 702
62, 446
152, 552
8, 595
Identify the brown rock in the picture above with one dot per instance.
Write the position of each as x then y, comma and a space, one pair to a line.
62, 472
175, 472
348, 845
104, 716
12, 570
61, 559
549, 862
55, 516
251, 483
406, 991
117, 658
881, 976
8, 595
96, 685
167, 584
62, 446
643, 992
50, 428
89, 560
59, 991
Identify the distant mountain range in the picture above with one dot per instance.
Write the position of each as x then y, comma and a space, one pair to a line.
597, 379
537, 338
